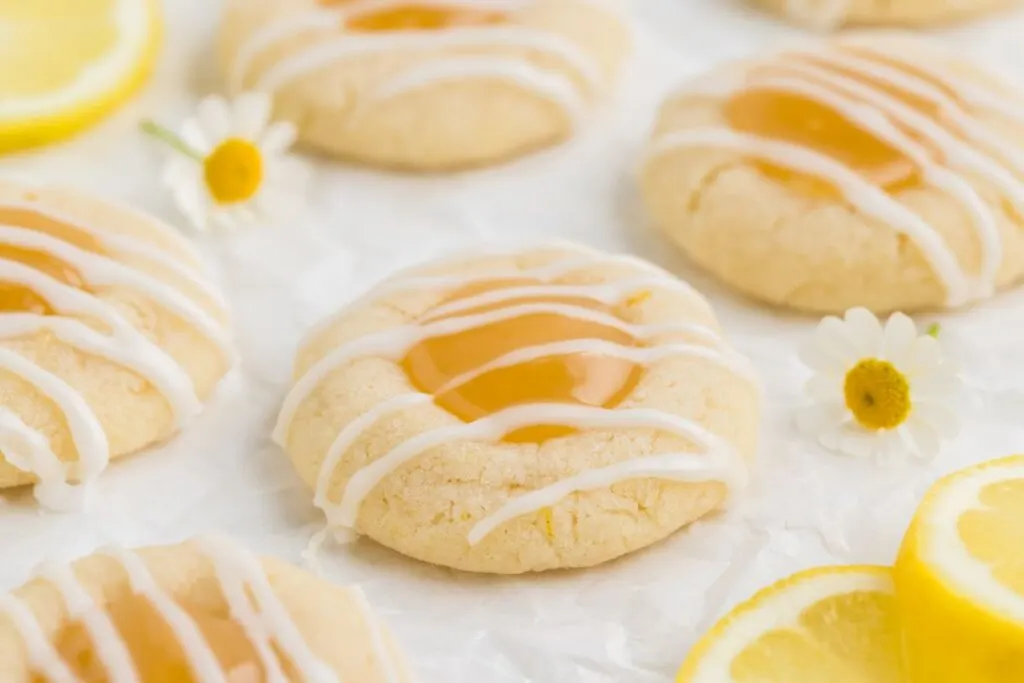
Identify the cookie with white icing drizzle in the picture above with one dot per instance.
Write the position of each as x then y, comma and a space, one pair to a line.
875, 172
204, 611
426, 84
111, 337
829, 14
521, 410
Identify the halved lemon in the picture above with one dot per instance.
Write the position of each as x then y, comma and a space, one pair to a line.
64, 64
960, 578
828, 625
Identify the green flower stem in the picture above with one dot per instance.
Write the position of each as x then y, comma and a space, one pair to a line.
934, 329
155, 130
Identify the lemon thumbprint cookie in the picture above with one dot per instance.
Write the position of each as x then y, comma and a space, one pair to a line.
876, 173
426, 84
836, 13
205, 611
521, 411
110, 338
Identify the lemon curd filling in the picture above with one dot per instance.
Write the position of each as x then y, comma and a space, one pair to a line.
417, 17
579, 378
17, 298
802, 121
156, 652
771, 112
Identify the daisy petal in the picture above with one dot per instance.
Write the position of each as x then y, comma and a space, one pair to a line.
941, 418
823, 360
193, 202
824, 389
893, 446
926, 356
818, 419
276, 204
214, 115
250, 115
925, 440
858, 443
865, 332
833, 337
278, 138
193, 135
936, 385
900, 335
222, 218
282, 185
179, 171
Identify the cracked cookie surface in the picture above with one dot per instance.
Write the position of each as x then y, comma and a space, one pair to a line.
203, 610
422, 85
865, 172
837, 13
520, 411
111, 337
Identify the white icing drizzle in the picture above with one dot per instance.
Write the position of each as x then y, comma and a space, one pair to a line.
110, 647
201, 657
119, 343
819, 14
871, 200
28, 450
347, 437
875, 118
608, 293
166, 231
842, 80
394, 342
123, 344
266, 623
957, 152
243, 613
598, 347
550, 84
102, 271
380, 646
120, 244
716, 461
973, 94
498, 424
126, 244
42, 655
718, 464
949, 109
588, 259
236, 567
86, 431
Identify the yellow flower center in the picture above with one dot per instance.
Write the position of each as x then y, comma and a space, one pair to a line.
234, 171
877, 394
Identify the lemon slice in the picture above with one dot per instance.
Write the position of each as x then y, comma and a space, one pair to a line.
66, 63
960, 578
829, 625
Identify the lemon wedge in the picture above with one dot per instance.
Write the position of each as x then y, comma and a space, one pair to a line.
828, 625
64, 64
960, 578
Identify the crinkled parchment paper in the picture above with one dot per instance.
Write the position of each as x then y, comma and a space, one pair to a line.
629, 622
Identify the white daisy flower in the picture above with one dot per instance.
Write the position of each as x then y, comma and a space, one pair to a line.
231, 164
884, 392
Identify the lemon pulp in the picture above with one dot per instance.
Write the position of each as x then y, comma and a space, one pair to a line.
67, 63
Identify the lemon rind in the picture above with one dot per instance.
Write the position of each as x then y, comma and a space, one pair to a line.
776, 606
944, 553
30, 122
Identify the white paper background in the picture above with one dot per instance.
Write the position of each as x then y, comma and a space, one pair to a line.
629, 622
